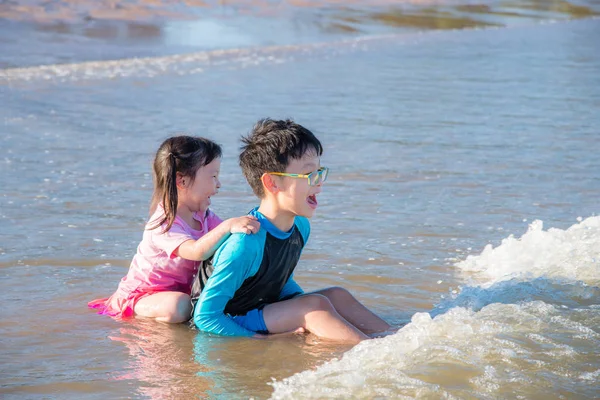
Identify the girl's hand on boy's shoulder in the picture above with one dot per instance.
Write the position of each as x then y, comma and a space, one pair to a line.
246, 224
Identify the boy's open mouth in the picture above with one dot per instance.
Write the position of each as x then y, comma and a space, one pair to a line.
312, 200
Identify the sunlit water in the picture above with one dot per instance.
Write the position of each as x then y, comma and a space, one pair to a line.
461, 205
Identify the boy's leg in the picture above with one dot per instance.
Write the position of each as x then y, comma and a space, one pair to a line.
313, 312
354, 311
171, 307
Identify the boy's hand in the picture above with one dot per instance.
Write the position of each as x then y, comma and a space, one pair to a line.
246, 224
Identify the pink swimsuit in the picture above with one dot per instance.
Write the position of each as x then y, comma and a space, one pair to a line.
155, 268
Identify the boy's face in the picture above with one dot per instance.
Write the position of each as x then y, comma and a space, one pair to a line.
296, 195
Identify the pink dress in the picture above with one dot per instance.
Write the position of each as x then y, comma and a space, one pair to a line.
155, 268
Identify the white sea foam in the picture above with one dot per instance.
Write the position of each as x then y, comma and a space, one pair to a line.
529, 348
571, 254
529, 326
182, 64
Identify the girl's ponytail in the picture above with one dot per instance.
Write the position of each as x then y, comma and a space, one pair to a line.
169, 199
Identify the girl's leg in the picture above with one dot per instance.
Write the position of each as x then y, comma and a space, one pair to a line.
314, 313
171, 307
353, 311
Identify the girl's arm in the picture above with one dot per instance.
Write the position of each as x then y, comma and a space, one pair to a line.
205, 247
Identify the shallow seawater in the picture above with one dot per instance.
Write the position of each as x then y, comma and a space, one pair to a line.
461, 204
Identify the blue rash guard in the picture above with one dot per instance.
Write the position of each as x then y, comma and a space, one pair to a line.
247, 273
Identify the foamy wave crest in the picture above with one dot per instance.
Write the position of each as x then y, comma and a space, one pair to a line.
571, 294
572, 254
530, 348
181, 64
193, 63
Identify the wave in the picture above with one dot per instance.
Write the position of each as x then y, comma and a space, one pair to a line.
180, 64
528, 325
530, 348
572, 254
198, 62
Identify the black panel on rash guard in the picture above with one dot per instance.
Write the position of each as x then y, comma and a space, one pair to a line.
279, 260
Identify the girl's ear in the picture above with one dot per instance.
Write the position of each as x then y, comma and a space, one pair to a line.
269, 183
181, 181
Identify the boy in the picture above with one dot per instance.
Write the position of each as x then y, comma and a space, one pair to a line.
248, 289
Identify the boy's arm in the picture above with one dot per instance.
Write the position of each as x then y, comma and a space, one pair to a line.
203, 248
233, 263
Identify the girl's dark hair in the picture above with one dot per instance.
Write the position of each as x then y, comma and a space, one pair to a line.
183, 155
270, 147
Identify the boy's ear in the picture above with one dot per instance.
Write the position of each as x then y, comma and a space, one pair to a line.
269, 183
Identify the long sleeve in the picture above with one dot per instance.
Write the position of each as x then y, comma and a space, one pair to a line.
235, 261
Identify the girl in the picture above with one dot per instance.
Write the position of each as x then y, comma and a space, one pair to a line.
180, 234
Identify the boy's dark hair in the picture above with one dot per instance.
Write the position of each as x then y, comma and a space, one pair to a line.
271, 145
183, 154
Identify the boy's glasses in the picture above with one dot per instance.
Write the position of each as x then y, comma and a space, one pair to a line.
314, 178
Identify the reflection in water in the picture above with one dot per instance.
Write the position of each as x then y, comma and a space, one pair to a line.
160, 358
175, 361
241, 365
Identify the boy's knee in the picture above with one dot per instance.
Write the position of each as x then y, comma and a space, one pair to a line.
336, 292
316, 302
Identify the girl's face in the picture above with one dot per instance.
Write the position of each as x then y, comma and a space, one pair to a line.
196, 196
